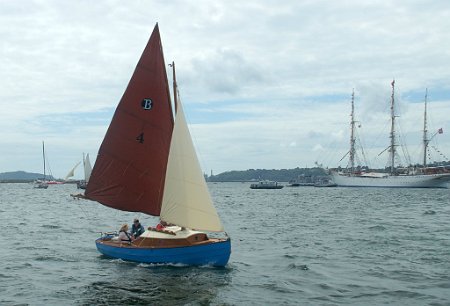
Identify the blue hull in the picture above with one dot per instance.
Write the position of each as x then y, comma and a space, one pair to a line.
215, 254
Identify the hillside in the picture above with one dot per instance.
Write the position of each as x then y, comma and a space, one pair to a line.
18, 176
282, 175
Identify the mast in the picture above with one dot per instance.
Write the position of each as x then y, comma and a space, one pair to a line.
392, 134
84, 168
43, 156
352, 135
425, 140
84, 162
175, 88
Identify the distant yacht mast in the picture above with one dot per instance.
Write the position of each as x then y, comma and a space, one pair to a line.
43, 156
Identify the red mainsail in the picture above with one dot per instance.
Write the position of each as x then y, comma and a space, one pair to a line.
130, 169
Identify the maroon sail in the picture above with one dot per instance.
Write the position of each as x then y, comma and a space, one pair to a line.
124, 177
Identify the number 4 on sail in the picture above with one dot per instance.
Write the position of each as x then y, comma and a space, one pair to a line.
158, 174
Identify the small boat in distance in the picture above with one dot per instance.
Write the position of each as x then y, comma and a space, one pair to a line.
87, 172
301, 180
71, 172
325, 183
42, 184
266, 184
53, 182
147, 163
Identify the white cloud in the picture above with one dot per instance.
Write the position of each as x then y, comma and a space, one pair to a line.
268, 83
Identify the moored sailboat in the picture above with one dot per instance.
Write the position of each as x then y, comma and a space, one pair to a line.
408, 177
71, 173
147, 163
87, 172
42, 184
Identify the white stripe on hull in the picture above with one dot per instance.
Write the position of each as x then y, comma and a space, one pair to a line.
400, 181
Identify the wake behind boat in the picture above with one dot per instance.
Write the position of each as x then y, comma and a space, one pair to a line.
407, 177
147, 163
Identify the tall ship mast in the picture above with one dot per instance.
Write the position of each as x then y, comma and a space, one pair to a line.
425, 132
392, 148
395, 178
352, 135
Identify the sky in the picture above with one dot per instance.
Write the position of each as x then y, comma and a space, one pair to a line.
264, 84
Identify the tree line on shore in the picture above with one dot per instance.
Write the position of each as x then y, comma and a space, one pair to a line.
280, 175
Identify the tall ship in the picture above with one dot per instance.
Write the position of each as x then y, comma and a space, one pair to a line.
397, 177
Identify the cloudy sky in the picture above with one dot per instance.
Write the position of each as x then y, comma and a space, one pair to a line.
265, 84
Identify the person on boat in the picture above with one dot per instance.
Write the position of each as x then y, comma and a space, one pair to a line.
124, 236
137, 229
161, 225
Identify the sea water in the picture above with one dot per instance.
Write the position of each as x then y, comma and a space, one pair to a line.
293, 246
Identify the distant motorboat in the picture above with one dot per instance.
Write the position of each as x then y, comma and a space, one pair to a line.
301, 180
325, 183
266, 185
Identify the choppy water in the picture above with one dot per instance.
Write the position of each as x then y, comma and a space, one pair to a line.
304, 245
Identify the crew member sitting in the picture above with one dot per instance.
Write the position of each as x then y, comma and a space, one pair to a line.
124, 236
161, 225
136, 229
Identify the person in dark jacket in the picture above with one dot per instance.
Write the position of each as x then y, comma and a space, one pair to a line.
137, 229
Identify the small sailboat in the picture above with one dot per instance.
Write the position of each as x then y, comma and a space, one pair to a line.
147, 163
71, 173
42, 184
87, 172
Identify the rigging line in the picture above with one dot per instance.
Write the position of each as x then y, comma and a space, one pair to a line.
344, 156
177, 99
362, 146
439, 152
404, 151
194, 139
91, 217
402, 143
85, 213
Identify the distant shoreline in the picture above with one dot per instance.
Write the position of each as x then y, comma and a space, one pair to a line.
28, 181
16, 181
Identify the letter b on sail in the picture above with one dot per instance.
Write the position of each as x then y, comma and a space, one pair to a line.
147, 104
